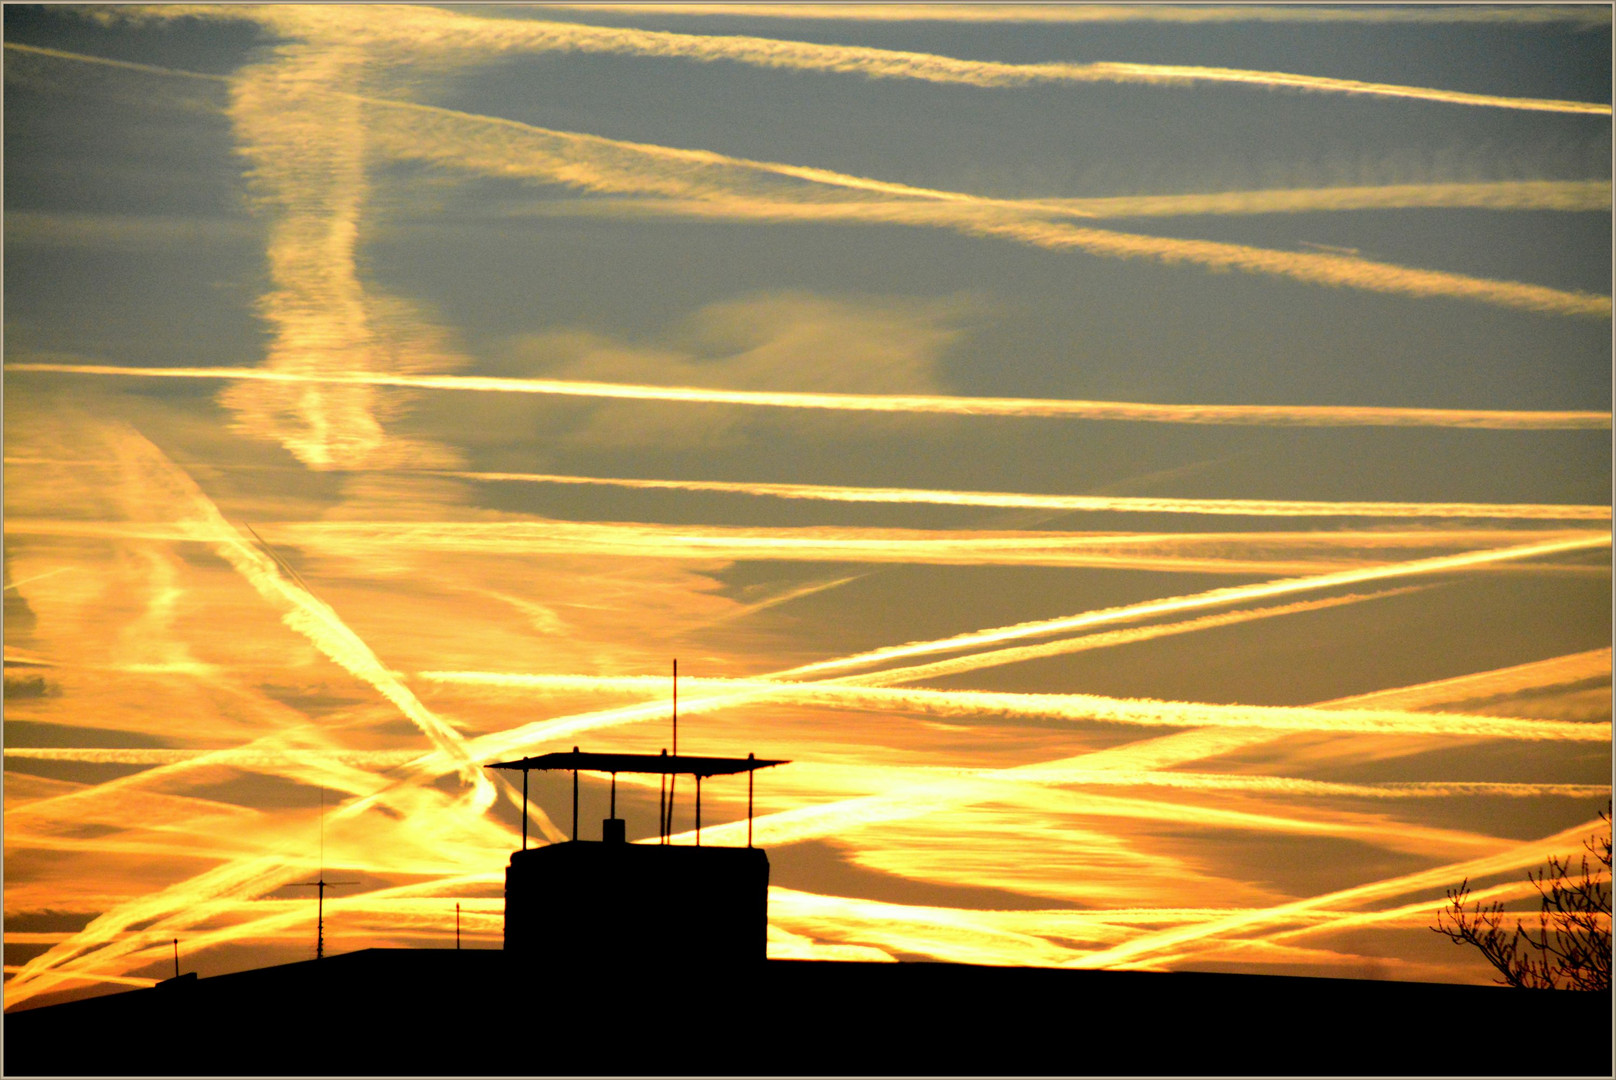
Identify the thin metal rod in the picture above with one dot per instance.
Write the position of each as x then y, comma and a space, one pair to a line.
614, 795
698, 809
319, 938
575, 799
662, 805
749, 774
176, 958
457, 924
676, 707
524, 809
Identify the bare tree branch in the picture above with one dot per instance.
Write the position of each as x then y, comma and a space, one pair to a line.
1571, 949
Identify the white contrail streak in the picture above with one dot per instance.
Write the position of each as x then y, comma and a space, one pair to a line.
308, 615
1562, 195
1590, 15
1567, 195
500, 744
598, 164
1521, 855
440, 33
1278, 415
40, 577
1089, 708
1213, 598
954, 666
1098, 503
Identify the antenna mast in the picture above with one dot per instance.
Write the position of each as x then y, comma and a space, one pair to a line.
667, 818
320, 884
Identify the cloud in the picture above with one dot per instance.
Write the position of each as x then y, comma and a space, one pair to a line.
759, 345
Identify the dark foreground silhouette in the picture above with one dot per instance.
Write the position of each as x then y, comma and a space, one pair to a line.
445, 1012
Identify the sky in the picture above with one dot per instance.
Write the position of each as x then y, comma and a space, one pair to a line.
1148, 469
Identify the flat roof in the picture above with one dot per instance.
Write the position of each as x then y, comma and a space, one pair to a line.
680, 764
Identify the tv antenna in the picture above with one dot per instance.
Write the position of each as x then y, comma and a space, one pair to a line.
321, 883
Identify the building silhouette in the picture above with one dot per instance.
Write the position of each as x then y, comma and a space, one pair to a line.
649, 959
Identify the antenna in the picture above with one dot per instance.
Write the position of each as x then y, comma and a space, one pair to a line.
176, 958
667, 822
320, 883
457, 924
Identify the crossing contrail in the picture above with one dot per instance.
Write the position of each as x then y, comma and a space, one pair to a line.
511, 149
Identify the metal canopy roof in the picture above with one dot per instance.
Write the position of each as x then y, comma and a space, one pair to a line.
639, 763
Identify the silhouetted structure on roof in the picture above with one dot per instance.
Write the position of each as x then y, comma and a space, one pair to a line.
609, 901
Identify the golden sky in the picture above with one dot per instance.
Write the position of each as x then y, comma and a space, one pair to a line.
1148, 469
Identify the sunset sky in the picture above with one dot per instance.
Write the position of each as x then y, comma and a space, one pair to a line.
1149, 469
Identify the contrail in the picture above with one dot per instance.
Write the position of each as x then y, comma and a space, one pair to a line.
1417, 915
1560, 670
1590, 15
40, 577
497, 744
1576, 196
1097, 503
1278, 415
1264, 553
1213, 598
1318, 268
439, 33
483, 145
1566, 195
311, 617
1026, 226
1102, 639
1094, 709
115, 980
1050, 774
595, 163
236, 756
1522, 855
915, 672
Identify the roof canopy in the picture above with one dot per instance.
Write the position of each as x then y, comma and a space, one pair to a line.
682, 764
